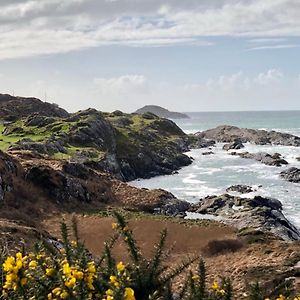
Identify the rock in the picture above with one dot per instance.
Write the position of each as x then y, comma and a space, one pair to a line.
208, 153
198, 143
171, 206
291, 174
240, 188
237, 144
228, 134
265, 158
118, 113
12, 108
298, 158
260, 213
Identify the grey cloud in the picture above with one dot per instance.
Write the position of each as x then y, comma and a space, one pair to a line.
75, 24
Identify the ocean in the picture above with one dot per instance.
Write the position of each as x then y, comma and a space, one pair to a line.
212, 174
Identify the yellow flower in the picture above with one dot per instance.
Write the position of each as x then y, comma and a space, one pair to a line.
120, 267
215, 285
33, 264
195, 277
113, 279
222, 292
281, 297
91, 267
24, 281
114, 226
129, 294
70, 283
49, 272
56, 291
64, 295
109, 292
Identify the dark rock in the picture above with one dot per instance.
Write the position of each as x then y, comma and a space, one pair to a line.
118, 113
196, 142
260, 213
237, 144
265, 158
228, 134
291, 174
38, 120
12, 108
240, 188
208, 153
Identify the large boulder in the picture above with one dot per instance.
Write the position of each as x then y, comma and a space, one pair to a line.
235, 145
291, 174
261, 213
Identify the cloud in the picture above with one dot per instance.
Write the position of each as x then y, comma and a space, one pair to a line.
266, 47
124, 84
271, 76
34, 27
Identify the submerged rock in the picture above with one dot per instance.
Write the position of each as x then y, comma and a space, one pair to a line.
291, 174
240, 188
261, 213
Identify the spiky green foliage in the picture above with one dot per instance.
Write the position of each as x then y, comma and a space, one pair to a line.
68, 271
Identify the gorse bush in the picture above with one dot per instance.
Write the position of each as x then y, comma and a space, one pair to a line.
70, 272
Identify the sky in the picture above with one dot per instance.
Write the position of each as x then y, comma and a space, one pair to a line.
185, 55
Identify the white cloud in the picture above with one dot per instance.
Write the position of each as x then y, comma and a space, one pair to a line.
125, 84
271, 76
282, 46
34, 27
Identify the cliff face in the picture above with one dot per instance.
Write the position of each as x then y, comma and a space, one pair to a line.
161, 112
128, 146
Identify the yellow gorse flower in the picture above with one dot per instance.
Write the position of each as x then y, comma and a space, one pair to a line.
129, 294
120, 267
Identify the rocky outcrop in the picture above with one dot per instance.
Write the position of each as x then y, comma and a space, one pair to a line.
12, 108
161, 112
240, 188
127, 146
228, 134
235, 145
291, 174
265, 158
260, 213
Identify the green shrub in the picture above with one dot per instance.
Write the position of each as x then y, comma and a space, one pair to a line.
71, 273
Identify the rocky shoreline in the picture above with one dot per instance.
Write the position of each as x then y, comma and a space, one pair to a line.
83, 160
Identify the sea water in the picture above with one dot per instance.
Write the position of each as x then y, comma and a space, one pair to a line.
212, 174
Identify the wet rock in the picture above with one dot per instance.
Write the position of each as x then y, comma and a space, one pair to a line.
263, 157
208, 153
198, 143
237, 144
291, 174
240, 188
260, 213
228, 134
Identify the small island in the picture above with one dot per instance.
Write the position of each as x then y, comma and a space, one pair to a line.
161, 112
